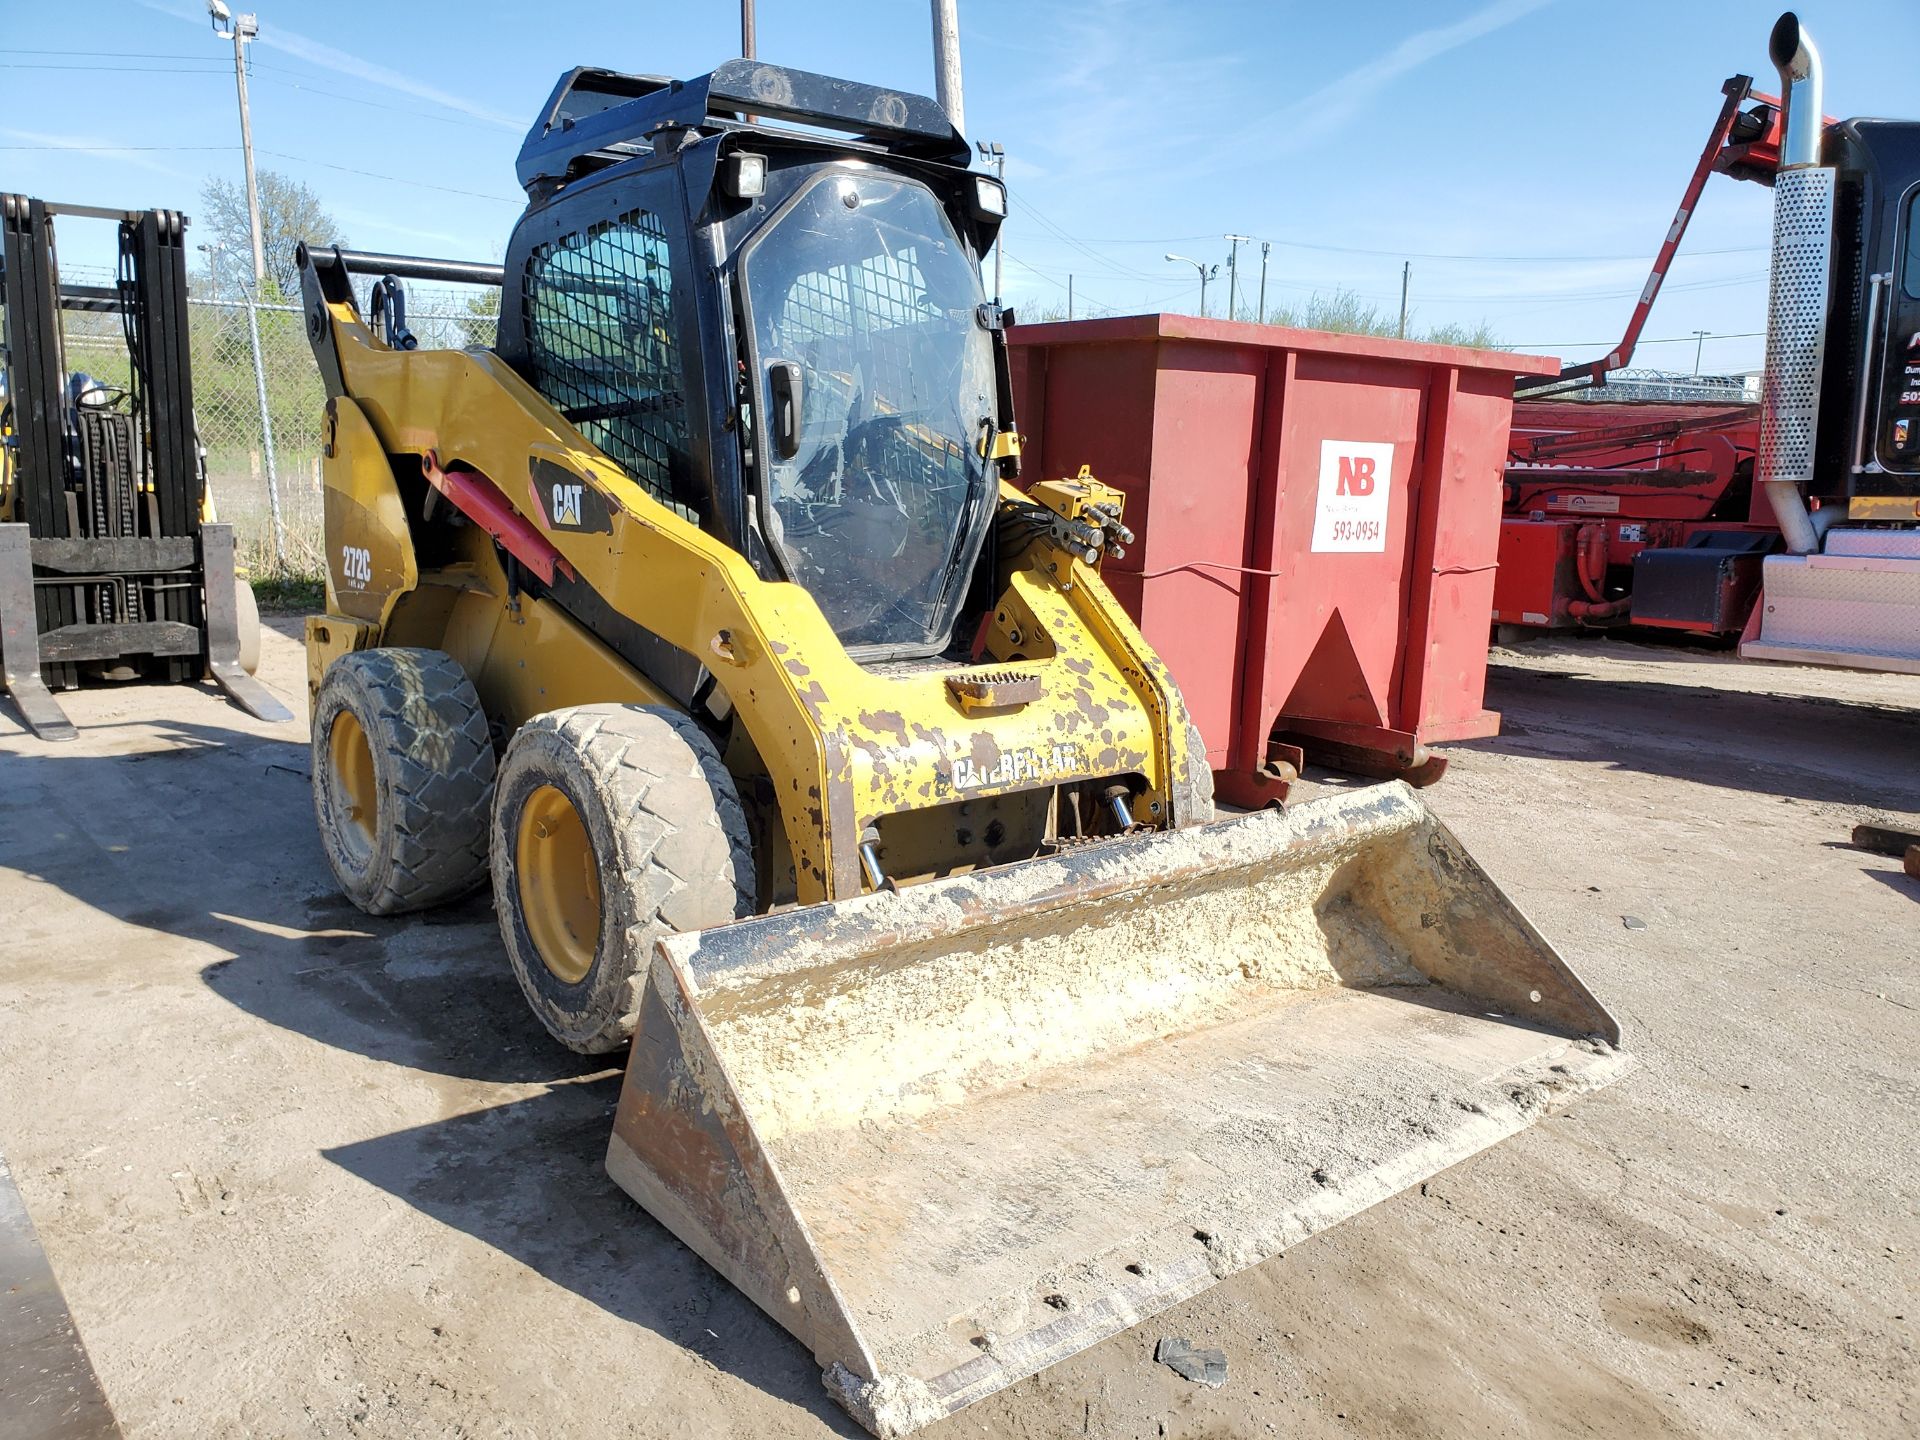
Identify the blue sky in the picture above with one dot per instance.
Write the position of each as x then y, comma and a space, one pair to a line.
1526, 154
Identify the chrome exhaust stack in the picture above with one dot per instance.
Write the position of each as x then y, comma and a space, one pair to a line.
1799, 293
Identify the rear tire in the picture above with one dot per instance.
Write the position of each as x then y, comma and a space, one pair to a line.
612, 826
402, 778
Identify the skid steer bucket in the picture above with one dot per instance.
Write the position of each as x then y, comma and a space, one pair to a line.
952, 1135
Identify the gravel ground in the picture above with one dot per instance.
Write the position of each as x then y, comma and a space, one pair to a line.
303, 1173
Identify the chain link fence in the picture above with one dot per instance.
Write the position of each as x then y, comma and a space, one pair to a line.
259, 405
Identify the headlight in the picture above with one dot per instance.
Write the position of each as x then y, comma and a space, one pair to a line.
744, 176
989, 198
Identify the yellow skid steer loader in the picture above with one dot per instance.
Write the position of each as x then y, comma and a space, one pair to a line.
812, 759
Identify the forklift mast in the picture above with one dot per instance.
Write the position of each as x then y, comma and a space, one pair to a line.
106, 569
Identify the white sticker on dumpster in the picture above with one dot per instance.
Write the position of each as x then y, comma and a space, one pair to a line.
1356, 477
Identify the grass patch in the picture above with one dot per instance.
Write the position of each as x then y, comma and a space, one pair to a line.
289, 592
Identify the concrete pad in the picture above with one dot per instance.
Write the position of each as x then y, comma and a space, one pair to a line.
304, 1173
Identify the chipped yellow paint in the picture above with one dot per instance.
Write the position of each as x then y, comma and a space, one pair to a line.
369, 550
842, 747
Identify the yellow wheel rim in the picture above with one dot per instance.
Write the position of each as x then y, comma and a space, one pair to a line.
356, 791
559, 884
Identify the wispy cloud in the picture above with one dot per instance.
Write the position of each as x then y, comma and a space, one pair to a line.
1089, 120
1337, 102
364, 222
85, 144
327, 57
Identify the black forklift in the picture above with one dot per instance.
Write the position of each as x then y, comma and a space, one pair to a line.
110, 567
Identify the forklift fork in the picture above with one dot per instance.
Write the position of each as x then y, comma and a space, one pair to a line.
20, 641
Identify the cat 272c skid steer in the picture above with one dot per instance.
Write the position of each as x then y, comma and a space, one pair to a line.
811, 756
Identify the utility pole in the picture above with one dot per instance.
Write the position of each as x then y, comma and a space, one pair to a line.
993, 153
1233, 273
1069, 296
946, 62
241, 29
1406, 283
1699, 341
1266, 248
748, 40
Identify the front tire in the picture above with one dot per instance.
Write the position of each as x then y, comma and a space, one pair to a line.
612, 826
402, 778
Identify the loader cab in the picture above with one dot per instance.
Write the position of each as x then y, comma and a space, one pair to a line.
778, 330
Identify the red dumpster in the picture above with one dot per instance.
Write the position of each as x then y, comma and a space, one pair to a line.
1318, 519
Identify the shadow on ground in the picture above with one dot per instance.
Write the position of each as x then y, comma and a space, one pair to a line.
206, 834
209, 836
1807, 747
529, 1179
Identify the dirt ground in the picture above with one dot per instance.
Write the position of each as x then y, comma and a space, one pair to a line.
302, 1173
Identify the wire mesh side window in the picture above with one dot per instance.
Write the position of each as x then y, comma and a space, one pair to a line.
601, 347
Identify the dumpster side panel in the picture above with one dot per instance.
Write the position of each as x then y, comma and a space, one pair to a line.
1444, 674
1201, 497
1341, 495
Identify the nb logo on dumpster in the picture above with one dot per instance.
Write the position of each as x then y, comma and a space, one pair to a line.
1352, 508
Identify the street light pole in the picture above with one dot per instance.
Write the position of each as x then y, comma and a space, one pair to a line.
1406, 282
241, 29
1266, 248
1206, 274
1699, 341
1233, 272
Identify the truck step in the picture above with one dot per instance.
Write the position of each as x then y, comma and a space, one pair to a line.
1856, 606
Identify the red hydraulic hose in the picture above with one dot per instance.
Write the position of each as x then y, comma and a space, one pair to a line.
1599, 609
1590, 559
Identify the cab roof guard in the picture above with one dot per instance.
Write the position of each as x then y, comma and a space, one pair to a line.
599, 117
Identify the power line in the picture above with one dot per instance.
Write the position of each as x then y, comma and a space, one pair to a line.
1669, 340
113, 149
1542, 299
114, 54
371, 104
1080, 296
277, 154
1119, 270
1642, 256
118, 69
1577, 296
203, 69
1501, 259
1173, 283
395, 179
1082, 242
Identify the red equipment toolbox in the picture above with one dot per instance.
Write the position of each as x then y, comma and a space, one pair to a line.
1318, 519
